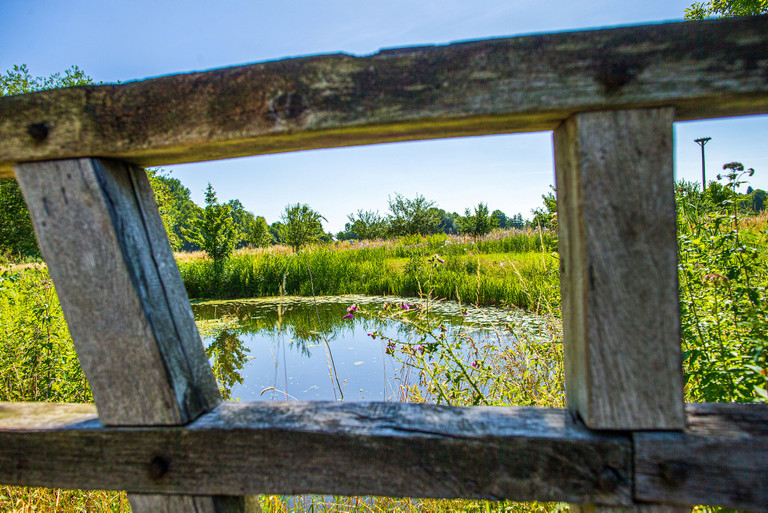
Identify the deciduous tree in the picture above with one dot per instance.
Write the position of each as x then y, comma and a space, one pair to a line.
214, 231
478, 223
366, 226
725, 8
17, 237
412, 216
301, 226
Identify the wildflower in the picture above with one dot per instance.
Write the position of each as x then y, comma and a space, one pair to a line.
350, 315
352, 309
714, 279
406, 306
420, 348
443, 328
476, 364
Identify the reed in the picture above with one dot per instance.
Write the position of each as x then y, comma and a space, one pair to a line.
505, 267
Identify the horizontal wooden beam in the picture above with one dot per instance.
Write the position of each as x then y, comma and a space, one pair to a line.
391, 449
704, 69
721, 459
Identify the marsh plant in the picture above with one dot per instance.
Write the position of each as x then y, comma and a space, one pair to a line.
723, 294
462, 365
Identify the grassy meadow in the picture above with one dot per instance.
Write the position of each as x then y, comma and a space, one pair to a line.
723, 261
506, 267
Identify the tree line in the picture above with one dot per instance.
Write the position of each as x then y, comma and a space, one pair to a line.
219, 228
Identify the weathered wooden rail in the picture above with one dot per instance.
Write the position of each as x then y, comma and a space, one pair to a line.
162, 433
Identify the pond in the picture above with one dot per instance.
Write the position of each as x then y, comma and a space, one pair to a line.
299, 348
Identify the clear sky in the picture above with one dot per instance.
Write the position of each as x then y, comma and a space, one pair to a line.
128, 40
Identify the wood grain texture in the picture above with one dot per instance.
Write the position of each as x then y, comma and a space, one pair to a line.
721, 459
126, 307
705, 69
101, 235
618, 254
392, 449
194, 504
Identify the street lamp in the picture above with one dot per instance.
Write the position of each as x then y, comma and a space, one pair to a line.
702, 141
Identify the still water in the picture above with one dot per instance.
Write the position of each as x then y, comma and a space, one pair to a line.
276, 349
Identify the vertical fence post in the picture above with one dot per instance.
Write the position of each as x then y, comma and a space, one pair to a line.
618, 255
101, 235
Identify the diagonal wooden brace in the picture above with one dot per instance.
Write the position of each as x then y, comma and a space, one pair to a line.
101, 235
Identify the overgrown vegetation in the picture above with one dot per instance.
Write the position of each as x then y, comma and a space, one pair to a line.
723, 293
505, 267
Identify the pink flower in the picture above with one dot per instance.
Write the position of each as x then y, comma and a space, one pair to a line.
420, 349
350, 315
352, 309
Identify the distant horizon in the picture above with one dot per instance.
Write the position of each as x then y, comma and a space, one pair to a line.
508, 172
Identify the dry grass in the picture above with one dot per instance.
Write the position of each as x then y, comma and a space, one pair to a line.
757, 222
22, 499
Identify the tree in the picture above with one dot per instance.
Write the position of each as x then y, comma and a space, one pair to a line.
244, 222
759, 198
301, 226
546, 216
500, 218
260, 235
725, 8
368, 225
175, 205
17, 235
19, 81
478, 224
412, 216
213, 230
516, 221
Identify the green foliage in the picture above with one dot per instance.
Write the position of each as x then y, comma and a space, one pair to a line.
368, 225
484, 272
213, 230
175, 206
243, 221
725, 8
17, 236
37, 357
546, 216
412, 216
260, 234
301, 226
723, 296
464, 366
18, 80
477, 224
227, 352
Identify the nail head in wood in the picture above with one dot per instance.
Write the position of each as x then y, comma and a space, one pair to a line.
158, 467
38, 131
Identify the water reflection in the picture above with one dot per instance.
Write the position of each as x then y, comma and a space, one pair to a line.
303, 348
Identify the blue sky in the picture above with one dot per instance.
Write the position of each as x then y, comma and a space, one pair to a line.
124, 41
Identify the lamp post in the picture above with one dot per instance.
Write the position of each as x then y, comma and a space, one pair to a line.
701, 142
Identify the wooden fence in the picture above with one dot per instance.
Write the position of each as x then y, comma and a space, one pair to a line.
627, 440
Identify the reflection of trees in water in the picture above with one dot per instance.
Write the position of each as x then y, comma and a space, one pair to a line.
229, 355
294, 322
297, 320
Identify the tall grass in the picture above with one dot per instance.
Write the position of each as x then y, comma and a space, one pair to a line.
38, 362
507, 267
